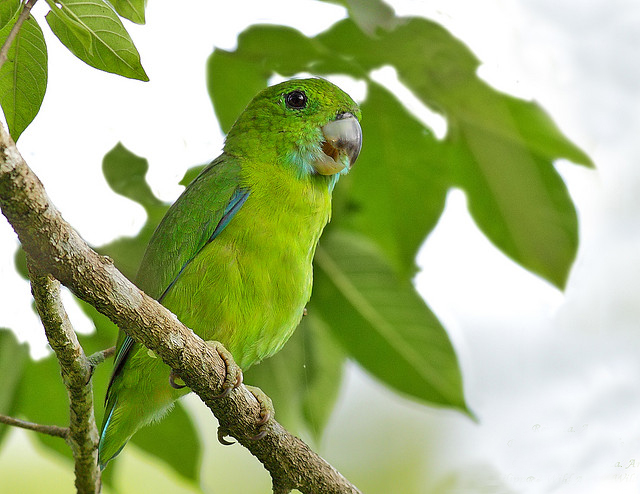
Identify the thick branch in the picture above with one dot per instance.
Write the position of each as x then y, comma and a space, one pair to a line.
50, 430
4, 51
57, 248
76, 375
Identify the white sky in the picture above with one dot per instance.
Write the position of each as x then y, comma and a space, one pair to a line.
551, 376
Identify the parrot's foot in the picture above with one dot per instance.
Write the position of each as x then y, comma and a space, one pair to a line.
222, 433
267, 411
233, 377
175, 382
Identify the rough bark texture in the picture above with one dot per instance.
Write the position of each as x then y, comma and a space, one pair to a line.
76, 373
56, 248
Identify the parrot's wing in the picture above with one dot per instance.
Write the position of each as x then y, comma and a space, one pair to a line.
203, 210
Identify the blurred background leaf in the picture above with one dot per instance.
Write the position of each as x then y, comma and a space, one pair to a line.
13, 358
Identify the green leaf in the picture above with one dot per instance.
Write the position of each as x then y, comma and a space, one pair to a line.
131, 9
13, 358
44, 400
397, 190
125, 173
8, 10
382, 322
303, 379
175, 441
500, 149
369, 15
23, 77
79, 29
111, 48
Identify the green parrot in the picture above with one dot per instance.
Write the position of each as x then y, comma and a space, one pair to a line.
232, 258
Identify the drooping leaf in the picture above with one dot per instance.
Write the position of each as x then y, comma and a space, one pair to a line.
110, 49
131, 9
382, 322
125, 173
397, 190
501, 149
303, 378
13, 358
23, 77
175, 441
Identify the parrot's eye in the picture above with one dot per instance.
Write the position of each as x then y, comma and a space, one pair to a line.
295, 100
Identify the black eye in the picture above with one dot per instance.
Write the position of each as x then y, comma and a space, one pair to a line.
295, 100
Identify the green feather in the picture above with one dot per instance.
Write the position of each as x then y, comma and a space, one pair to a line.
232, 258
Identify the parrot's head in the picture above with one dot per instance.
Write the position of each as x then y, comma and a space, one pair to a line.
310, 124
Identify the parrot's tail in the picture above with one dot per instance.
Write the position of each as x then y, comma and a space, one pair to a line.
124, 415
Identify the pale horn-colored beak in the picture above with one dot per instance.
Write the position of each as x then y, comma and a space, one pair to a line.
343, 141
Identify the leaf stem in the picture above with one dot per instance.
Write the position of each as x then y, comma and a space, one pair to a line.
50, 430
4, 51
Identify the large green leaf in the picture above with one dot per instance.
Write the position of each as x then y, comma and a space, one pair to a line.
131, 9
23, 77
303, 379
501, 149
13, 358
175, 441
382, 322
94, 33
397, 190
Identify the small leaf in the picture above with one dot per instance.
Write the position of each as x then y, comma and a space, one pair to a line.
23, 77
8, 10
131, 9
113, 50
13, 358
125, 173
382, 322
79, 29
370, 15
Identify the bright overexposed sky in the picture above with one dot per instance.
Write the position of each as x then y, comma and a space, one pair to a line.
552, 376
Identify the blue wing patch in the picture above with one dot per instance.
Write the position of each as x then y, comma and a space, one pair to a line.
235, 203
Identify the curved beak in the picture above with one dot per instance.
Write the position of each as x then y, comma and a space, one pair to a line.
342, 144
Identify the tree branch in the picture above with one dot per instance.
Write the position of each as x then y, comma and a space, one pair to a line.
50, 430
26, 10
76, 374
97, 358
58, 249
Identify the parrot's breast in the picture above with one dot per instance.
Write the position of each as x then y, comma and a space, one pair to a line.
248, 288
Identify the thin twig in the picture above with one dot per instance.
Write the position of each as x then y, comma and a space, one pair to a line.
95, 359
49, 430
4, 51
76, 374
